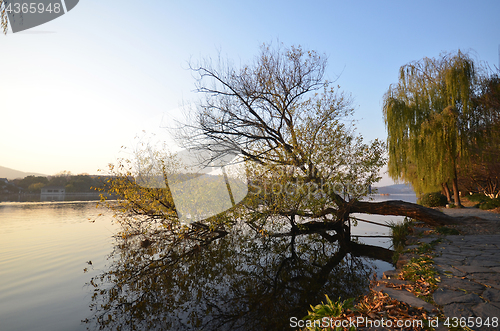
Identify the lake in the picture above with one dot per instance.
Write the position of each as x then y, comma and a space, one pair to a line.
45, 247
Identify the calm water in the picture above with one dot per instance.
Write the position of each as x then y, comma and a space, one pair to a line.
45, 246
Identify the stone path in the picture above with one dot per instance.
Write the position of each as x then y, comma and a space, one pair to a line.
469, 268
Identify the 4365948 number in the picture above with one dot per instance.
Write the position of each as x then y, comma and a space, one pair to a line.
471, 322
33, 7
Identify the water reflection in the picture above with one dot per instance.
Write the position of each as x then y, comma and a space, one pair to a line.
225, 281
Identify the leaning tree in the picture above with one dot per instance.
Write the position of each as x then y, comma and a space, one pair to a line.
291, 126
270, 253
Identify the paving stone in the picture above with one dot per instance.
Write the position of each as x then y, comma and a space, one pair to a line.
455, 272
443, 296
494, 258
485, 310
446, 260
457, 310
470, 252
426, 240
485, 263
492, 294
488, 279
454, 256
393, 281
473, 269
461, 284
409, 298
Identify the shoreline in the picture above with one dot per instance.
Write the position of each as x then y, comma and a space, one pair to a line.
442, 278
467, 267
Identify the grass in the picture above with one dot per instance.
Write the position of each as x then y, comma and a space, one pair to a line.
444, 230
400, 232
421, 272
329, 309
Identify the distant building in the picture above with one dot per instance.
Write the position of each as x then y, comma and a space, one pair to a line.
54, 190
53, 193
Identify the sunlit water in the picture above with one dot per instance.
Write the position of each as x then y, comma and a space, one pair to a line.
45, 247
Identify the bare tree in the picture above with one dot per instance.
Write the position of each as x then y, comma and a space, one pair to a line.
283, 115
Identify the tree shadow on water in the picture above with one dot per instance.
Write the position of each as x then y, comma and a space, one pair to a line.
224, 281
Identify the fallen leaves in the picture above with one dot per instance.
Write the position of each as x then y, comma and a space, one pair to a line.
377, 305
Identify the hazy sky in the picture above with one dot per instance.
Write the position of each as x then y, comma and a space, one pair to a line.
76, 89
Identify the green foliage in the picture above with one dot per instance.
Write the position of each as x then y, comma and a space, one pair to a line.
36, 187
478, 197
329, 309
429, 116
491, 204
32, 183
484, 201
72, 183
400, 232
447, 231
435, 199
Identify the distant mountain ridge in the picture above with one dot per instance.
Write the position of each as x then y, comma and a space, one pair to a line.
14, 174
395, 189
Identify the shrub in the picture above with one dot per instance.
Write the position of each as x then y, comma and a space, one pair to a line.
491, 204
435, 199
484, 202
478, 197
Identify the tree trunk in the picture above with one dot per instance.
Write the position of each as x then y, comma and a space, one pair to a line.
402, 208
456, 194
446, 190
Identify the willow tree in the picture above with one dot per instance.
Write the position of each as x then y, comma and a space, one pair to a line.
430, 120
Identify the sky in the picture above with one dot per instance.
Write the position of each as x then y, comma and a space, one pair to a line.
108, 74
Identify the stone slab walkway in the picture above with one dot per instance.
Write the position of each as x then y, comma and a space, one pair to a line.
469, 268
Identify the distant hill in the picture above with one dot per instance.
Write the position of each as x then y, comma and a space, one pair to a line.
396, 189
14, 174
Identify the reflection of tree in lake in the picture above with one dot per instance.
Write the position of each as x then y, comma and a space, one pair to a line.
222, 281
255, 263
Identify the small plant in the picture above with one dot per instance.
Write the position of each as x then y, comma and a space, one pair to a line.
400, 232
435, 199
447, 231
328, 310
